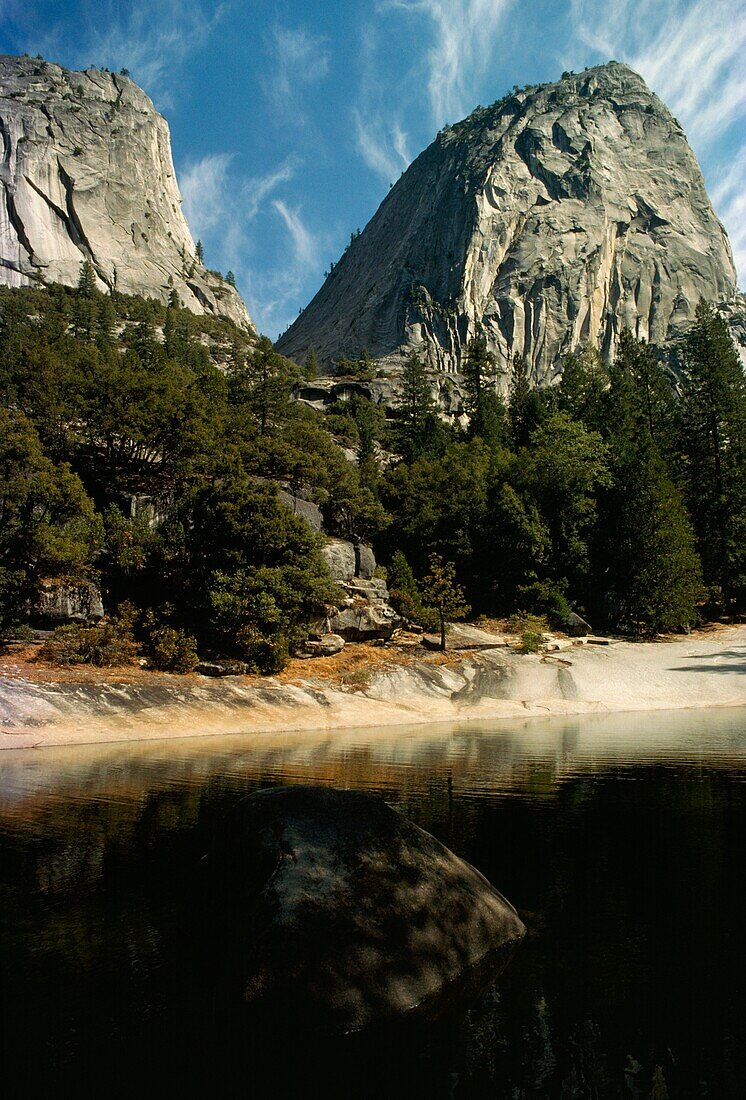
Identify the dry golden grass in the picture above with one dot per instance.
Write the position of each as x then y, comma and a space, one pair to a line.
348, 669
23, 662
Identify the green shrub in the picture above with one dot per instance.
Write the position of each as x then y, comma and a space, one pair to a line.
106, 645
358, 679
429, 619
410, 608
343, 428
172, 650
546, 599
405, 595
530, 630
268, 653
405, 604
530, 642
19, 632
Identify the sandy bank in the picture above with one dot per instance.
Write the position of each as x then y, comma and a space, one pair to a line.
706, 671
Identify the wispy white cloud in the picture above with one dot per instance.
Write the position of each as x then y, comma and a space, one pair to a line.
691, 53
728, 194
460, 45
298, 59
399, 138
303, 241
279, 289
380, 138
463, 47
150, 39
204, 188
383, 146
222, 207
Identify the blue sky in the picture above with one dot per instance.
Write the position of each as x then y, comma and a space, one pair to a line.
290, 119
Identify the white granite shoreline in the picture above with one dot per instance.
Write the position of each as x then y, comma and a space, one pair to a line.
696, 672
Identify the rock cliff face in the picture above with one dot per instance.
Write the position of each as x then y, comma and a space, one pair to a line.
552, 219
87, 173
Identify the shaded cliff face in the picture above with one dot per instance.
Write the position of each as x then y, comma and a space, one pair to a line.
87, 173
550, 220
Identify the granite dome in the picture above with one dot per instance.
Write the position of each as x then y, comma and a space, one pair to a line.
87, 173
552, 219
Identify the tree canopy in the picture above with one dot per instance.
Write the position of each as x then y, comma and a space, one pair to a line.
142, 446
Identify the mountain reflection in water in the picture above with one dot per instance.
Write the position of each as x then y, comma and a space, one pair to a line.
619, 839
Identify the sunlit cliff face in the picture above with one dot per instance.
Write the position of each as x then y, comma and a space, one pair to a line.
87, 174
552, 220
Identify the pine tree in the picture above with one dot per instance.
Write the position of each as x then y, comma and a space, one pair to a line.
641, 395
369, 422
199, 253
524, 404
647, 570
85, 308
364, 368
145, 343
87, 280
415, 407
440, 591
714, 445
482, 404
311, 366
652, 574
582, 389
173, 340
267, 383
107, 319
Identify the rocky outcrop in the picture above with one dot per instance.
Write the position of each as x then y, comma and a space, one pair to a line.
306, 509
365, 613
365, 562
220, 669
87, 174
339, 555
59, 603
550, 220
364, 619
576, 626
492, 684
323, 393
327, 646
340, 914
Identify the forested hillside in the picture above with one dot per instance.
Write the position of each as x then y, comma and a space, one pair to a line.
622, 489
141, 445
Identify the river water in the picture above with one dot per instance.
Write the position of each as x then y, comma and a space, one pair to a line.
621, 840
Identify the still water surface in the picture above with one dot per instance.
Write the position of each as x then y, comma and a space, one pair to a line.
620, 840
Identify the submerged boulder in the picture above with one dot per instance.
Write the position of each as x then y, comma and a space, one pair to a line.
339, 914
